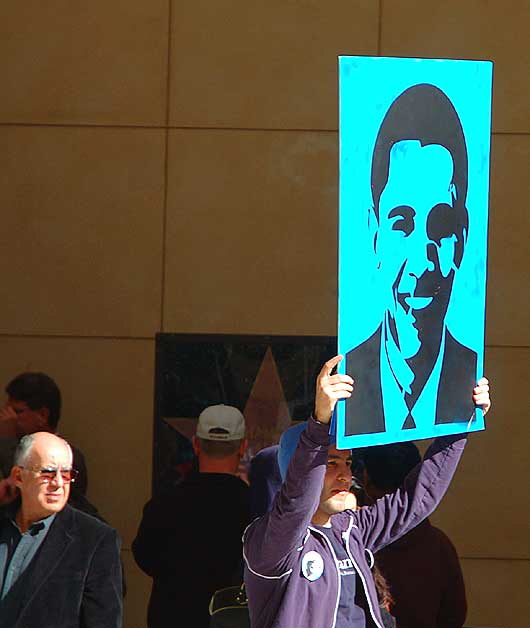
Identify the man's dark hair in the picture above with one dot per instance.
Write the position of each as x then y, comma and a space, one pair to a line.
387, 466
37, 390
424, 113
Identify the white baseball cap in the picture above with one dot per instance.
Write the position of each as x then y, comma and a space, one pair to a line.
221, 423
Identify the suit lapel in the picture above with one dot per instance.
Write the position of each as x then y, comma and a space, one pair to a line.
457, 380
365, 411
49, 556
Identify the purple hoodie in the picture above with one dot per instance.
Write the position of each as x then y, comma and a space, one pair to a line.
276, 546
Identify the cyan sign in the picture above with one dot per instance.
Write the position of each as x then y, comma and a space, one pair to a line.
414, 180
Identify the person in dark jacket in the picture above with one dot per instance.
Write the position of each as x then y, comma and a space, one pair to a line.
264, 480
189, 539
422, 567
58, 566
307, 561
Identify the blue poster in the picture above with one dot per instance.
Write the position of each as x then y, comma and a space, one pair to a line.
413, 196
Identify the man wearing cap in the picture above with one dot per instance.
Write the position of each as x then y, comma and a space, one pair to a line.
189, 539
308, 560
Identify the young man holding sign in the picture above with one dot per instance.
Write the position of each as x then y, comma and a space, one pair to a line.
308, 560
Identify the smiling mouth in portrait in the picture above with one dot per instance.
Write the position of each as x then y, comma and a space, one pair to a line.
417, 303
420, 299
410, 302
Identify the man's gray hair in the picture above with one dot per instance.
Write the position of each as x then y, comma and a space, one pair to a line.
24, 447
23, 450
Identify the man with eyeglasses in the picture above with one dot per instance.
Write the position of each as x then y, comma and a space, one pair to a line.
58, 566
33, 404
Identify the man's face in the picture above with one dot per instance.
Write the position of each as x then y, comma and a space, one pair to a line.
27, 421
416, 239
335, 496
41, 497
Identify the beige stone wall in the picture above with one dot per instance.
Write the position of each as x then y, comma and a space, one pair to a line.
173, 166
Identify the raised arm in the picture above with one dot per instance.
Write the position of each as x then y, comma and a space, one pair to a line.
271, 540
394, 515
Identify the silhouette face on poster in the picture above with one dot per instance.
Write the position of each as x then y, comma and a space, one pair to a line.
419, 223
416, 244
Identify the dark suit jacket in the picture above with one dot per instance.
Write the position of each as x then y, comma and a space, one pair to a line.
74, 580
364, 411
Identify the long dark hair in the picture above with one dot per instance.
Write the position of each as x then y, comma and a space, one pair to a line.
383, 590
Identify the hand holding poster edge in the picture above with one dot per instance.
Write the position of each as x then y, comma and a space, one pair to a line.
330, 388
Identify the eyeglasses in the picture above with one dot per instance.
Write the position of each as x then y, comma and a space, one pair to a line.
49, 474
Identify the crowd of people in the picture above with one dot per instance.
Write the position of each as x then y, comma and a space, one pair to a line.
321, 537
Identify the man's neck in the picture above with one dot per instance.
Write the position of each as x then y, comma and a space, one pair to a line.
321, 518
399, 368
25, 520
412, 374
218, 466
423, 364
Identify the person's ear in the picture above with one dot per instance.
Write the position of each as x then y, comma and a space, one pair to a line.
16, 476
196, 446
243, 447
462, 227
373, 227
459, 248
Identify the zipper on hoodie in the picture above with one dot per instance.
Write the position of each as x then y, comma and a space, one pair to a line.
335, 560
346, 539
